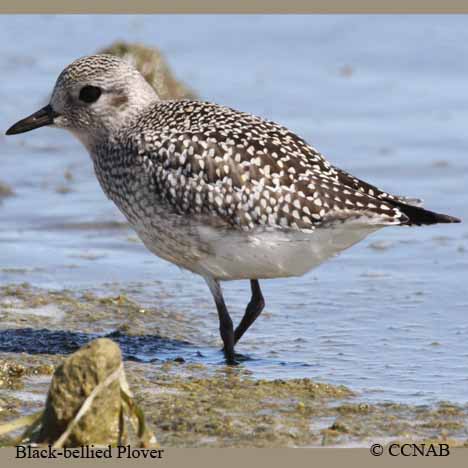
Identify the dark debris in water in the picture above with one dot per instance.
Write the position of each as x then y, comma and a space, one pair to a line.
145, 348
142, 348
39, 321
41, 341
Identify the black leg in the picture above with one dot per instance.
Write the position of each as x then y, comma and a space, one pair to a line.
254, 308
226, 327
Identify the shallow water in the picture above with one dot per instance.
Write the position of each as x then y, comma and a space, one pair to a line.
383, 97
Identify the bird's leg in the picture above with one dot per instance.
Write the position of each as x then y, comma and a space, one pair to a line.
253, 310
226, 327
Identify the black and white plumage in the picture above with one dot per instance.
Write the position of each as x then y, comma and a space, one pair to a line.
219, 192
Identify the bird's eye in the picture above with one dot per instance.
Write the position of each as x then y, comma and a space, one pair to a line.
90, 94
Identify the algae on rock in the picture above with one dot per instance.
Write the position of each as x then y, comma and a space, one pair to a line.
5, 190
89, 403
150, 62
73, 382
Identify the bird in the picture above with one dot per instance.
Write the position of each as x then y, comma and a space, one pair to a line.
222, 193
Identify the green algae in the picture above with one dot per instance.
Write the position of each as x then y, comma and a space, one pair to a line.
89, 313
12, 373
230, 409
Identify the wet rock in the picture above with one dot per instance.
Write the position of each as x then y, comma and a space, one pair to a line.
72, 383
381, 245
5, 190
151, 63
440, 163
346, 71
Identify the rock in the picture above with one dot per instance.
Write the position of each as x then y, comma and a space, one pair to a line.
150, 62
72, 383
5, 190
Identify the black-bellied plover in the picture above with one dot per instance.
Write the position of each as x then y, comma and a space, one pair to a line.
221, 193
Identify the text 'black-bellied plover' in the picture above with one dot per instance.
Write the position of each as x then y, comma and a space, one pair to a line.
222, 193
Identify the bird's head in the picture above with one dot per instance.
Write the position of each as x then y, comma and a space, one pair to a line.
93, 96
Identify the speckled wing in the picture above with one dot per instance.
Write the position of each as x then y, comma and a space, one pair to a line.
351, 181
248, 172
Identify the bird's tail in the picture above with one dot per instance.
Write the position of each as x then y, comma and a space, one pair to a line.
418, 216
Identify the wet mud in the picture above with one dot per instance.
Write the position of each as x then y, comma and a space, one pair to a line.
191, 403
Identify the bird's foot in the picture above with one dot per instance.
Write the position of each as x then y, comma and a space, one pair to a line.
233, 358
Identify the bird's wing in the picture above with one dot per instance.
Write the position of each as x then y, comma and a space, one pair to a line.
250, 172
358, 184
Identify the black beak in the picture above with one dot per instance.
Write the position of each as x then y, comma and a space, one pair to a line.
42, 117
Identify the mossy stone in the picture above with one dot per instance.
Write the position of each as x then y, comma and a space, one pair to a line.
151, 63
72, 383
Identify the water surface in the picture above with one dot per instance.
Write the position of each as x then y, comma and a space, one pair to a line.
384, 97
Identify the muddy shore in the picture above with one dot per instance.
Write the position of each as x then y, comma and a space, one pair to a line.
187, 403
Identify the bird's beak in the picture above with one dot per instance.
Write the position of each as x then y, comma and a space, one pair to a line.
42, 117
